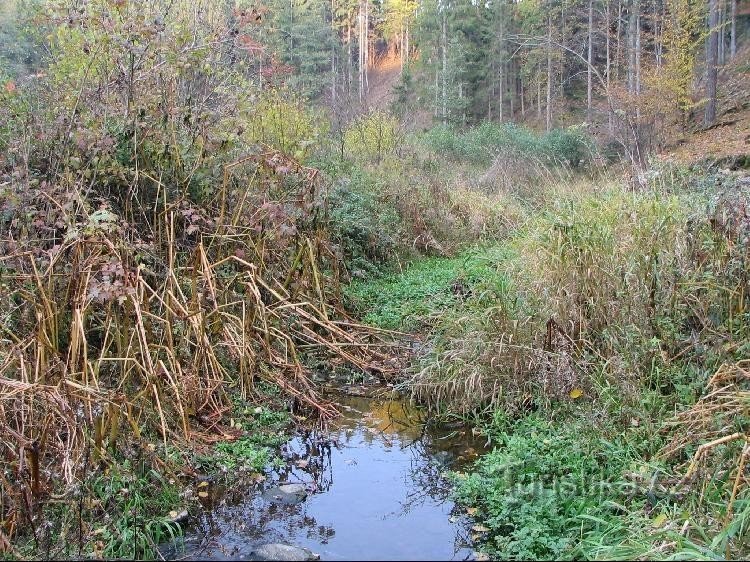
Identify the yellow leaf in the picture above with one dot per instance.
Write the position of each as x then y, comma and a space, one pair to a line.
471, 510
202, 494
173, 515
576, 393
659, 520
203, 484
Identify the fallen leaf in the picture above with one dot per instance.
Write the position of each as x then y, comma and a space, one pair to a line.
202, 494
471, 510
302, 463
576, 393
480, 528
659, 520
203, 484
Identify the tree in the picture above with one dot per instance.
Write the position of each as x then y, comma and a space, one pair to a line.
712, 54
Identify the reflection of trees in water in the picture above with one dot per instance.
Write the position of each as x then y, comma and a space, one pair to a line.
429, 485
244, 518
308, 460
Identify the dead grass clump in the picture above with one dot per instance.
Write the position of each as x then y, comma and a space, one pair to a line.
703, 433
603, 293
112, 337
154, 256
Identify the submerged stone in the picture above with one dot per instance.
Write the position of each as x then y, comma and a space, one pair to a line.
278, 551
286, 494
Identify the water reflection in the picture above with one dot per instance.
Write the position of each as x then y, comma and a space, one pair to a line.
376, 491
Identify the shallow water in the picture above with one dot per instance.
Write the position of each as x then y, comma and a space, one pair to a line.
376, 488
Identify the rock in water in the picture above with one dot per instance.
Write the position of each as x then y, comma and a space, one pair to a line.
278, 551
296, 489
286, 494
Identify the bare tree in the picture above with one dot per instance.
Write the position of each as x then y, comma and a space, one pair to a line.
589, 75
549, 72
712, 62
733, 32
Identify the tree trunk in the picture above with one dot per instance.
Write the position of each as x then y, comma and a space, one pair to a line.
437, 92
445, 71
608, 41
401, 47
361, 49
632, 34
658, 26
510, 80
333, 52
608, 67
733, 32
563, 34
711, 62
549, 73
618, 49
502, 91
539, 93
406, 54
638, 51
367, 44
722, 28
590, 61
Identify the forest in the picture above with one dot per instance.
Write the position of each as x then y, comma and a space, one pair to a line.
375, 279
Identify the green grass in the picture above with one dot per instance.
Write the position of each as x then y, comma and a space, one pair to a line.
135, 507
416, 297
650, 286
544, 484
265, 428
119, 512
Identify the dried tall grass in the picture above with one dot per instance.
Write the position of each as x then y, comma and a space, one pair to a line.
602, 287
112, 337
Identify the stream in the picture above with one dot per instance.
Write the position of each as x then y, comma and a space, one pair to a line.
371, 486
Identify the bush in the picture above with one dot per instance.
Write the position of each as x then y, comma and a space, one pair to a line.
542, 485
482, 144
281, 120
372, 136
366, 228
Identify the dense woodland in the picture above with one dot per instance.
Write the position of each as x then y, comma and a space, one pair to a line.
531, 217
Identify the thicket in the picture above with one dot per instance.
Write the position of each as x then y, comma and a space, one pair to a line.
164, 250
483, 143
